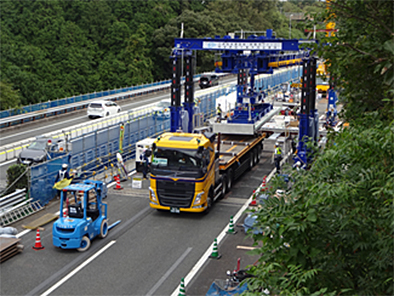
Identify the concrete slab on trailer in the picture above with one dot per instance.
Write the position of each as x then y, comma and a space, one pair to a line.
243, 128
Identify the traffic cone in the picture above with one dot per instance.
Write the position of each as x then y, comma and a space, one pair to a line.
118, 186
215, 254
182, 291
231, 229
38, 245
253, 202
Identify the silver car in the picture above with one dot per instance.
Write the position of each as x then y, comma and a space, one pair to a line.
103, 109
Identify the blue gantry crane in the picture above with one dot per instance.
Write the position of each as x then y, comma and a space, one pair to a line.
246, 57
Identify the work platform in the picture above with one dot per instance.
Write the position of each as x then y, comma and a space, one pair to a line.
243, 128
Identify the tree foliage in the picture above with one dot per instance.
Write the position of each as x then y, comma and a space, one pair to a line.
333, 233
53, 49
360, 55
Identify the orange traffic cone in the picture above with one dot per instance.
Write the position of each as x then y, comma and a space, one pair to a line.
38, 245
118, 187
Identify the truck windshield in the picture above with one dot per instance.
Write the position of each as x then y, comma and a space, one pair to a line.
180, 162
321, 81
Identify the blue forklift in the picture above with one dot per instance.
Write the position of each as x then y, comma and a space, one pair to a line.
85, 216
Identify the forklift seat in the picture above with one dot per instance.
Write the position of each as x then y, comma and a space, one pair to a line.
75, 211
92, 211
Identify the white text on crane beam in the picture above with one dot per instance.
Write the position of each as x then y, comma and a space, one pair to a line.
242, 45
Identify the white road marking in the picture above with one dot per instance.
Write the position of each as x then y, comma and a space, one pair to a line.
169, 271
75, 271
221, 236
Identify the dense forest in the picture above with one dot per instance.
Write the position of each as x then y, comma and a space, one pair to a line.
56, 49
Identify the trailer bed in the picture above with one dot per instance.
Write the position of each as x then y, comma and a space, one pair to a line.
233, 147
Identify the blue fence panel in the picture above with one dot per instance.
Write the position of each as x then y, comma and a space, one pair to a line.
77, 145
102, 137
43, 178
75, 161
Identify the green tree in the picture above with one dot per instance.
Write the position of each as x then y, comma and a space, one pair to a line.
333, 234
360, 55
9, 98
16, 178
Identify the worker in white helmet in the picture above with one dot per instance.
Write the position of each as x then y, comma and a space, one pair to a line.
62, 174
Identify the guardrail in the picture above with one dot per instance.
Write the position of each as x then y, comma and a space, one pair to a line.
9, 152
16, 206
51, 108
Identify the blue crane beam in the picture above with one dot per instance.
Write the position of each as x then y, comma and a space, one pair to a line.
269, 45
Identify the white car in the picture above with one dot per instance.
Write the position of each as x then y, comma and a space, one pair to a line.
162, 109
102, 109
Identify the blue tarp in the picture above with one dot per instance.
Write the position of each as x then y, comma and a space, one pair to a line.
217, 289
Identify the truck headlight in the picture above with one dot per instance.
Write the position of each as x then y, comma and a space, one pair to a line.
152, 194
198, 198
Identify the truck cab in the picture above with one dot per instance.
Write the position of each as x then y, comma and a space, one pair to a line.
87, 216
184, 172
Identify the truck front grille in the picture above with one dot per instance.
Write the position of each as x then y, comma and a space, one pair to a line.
175, 194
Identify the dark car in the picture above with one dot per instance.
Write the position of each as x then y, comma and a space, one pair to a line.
40, 150
208, 80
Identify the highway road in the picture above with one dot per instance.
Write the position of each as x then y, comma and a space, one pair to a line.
146, 254
57, 123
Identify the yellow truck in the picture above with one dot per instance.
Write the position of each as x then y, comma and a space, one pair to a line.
189, 172
322, 78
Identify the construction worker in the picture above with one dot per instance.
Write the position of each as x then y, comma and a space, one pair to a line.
62, 174
219, 113
277, 157
145, 158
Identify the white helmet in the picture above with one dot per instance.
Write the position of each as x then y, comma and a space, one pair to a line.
64, 166
276, 144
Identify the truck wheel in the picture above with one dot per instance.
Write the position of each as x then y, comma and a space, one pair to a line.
251, 157
259, 152
224, 187
209, 202
256, 157
229, 180
85, 244
103, 229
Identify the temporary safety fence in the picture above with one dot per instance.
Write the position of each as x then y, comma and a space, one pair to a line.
93, 155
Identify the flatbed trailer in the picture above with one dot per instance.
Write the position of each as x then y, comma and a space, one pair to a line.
218, 160
238, 153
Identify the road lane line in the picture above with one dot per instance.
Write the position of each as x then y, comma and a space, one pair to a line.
75, 271
169, 271
221, 236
